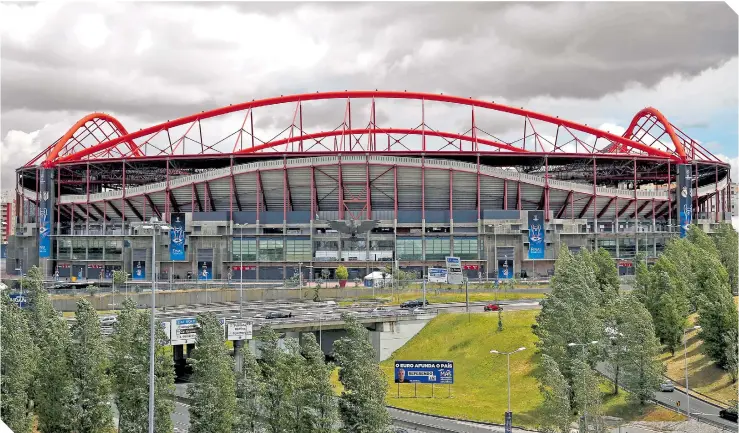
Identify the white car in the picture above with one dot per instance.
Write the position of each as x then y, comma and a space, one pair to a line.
108, 321
381, 310
667, 386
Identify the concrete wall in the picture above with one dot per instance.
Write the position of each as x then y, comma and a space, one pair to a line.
391, 336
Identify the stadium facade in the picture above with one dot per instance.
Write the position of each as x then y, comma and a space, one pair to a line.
263, 199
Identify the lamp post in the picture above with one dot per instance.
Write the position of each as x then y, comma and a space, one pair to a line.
685, 353
509, 414
585, 400
241, 269
495, 246
156, 227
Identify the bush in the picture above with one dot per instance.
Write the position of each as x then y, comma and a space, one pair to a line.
342, 273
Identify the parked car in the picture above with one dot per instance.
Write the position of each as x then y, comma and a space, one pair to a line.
413, 304
729, 413
278, 315
108, 321
493, 307
667, 386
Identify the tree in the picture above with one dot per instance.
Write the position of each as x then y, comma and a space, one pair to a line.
212, 391
727, 244
249, 395
40, 310
641, 370
92, 289
718, 318
278, 381
553, 386
606, 274
88, 362
320, 411
17, 366
362, 402
119, 277
130, 367
587, 398
342, 273
669, 321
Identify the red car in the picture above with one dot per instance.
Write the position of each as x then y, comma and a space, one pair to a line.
493, 307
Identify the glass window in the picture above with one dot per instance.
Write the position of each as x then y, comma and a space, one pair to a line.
608, 245
95, 248
65, 247
646, 245
271, 250
298, 250
409, 249
465, 248
437, 248
626, 248
79, 248
244, 250
382, 245
327, 245
113, 249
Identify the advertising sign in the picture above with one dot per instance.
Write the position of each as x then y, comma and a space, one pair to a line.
177, 237
454, 270
536, 234
44, 214
437, 275
239, 331
437, 372
139, 270
505, 268
684, 198
205, 270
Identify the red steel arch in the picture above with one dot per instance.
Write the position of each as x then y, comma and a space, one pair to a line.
620, 144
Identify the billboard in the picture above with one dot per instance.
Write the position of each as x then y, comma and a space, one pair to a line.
505, 269
536, 234
19, 299
437, 372
684, 198
454, 270
177, 236
239, 330
44, 214
139, 270
437, 275
205, 270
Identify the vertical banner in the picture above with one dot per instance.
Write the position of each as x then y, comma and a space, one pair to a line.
536, 234
44, 214
139, 270
205, 270
684, 198
505, 269
177, 237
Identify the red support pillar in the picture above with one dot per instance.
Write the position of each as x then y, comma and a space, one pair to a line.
313, 203
595, 198
259, 193
284, 189
669, 197
395, 190
87, 203
167, 198
546, 188
38, 205
231, 187
451, 194
341, 191
59, 194
192, 197
505, 194
636, 209
423, 187
423, 126
518, 196
368, 186
123, 199
572, 205
715, 200
479, 204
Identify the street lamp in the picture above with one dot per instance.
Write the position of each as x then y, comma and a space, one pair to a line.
241, 268
585, 400
687, 386
508, 356
157, 226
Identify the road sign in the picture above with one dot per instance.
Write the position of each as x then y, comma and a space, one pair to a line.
454, 270
19, 299
239, 330
437, 275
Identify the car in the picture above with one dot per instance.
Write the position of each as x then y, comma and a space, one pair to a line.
728, 413
278, 315
493, 307
667, 386
413, 304
419, 310
108, 321
381, 310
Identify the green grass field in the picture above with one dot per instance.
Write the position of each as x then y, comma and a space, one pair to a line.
445, 297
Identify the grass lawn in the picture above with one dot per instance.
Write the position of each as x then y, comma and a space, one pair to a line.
447, 297
703, 375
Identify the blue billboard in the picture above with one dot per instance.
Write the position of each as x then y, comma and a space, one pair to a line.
44, 214
437, 372
536, 234
684, 198
19, 299
505, 269
205, 270
177, 237
139, 270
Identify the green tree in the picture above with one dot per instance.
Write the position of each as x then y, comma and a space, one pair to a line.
669, 320
362, 402
342, 273
249, 395
280, 372
727, 244
718, 318
320, 410
556, 407
17, 366
587, 397
641, 369
212, 391
130, 368
89, 361
40, 309
119, 277
606, 274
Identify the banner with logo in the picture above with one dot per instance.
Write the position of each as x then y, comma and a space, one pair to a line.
437, 275
205, 270
438, 372
505, 268
139, 270
44, 213
177, 237
536, 234
684, 198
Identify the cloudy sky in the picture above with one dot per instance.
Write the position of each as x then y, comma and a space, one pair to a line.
594, 63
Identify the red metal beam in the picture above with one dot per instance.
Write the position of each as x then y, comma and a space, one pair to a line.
564, 205
587, 206
641, 208
210, 197
153, 206
196, 195
97, 209
133, 209
606, 207
625, 208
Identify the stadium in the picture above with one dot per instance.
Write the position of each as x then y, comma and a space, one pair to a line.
264, 189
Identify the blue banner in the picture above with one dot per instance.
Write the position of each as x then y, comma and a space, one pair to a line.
19, 299
177, 237
536, 234
44, 214
205, 270
438, 372
684, 198
505, 269
139, 270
